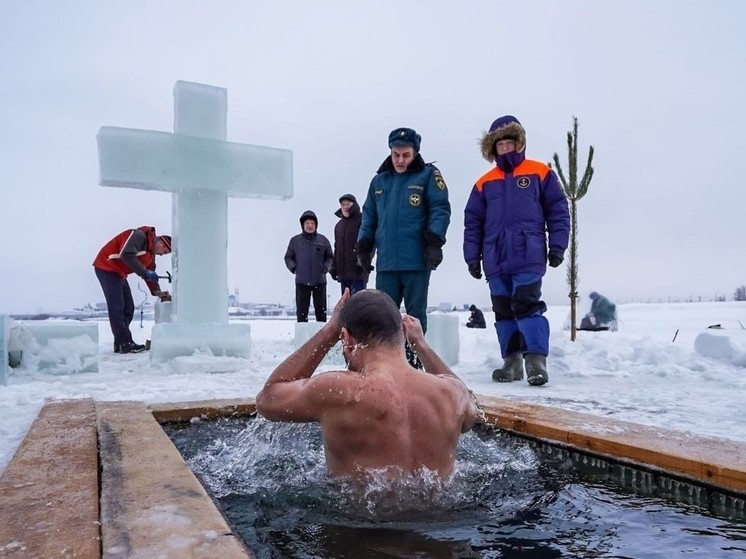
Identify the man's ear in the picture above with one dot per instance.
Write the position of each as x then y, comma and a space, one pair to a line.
345, 336
347, 339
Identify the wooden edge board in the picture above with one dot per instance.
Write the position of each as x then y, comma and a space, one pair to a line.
179, 412
49, 491
708, 460
152, 505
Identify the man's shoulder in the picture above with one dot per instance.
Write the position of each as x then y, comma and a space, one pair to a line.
333, 386
532, 166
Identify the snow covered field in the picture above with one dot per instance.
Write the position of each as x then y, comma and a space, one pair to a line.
636, 374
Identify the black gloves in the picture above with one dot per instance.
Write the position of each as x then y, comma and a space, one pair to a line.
555, 258
475, 269
364, 251
433, 249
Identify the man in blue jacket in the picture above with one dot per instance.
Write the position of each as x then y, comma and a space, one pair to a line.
511, 211
405, 219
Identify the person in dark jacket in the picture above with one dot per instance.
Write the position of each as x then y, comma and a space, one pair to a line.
309, 256
511, 211
405, 218
132, 251
345, 268
476, 319
602, 315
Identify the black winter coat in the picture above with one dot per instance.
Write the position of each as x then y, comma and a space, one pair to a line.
345, 236
309, 256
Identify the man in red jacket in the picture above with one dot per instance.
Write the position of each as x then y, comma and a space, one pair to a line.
131, 251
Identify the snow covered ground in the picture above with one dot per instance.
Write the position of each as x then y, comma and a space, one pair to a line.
637, 374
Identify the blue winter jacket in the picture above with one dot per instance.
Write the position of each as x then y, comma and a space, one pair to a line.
399, 208
508, 216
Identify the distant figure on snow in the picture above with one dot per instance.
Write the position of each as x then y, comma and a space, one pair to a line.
309, 256
132, 251
345, 268
602, 315
476, 319
380, 414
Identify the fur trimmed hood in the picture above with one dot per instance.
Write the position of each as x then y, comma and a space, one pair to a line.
506, 126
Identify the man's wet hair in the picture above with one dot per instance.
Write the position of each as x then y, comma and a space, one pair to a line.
371, 317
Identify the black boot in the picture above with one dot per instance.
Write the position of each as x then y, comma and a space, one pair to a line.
131, 347
511, 370
536, 369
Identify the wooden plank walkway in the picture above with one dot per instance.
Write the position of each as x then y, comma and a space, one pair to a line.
152, 505
49, 490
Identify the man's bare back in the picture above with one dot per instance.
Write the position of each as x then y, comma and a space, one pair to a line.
380, 415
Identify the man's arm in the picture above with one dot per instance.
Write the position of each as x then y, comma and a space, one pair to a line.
431, 361
286, 395
439, 207
556, 213
328, 255
290, 256
369, 219
433, 364
137, 242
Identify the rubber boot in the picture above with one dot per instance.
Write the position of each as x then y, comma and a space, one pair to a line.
511, 370
536, 369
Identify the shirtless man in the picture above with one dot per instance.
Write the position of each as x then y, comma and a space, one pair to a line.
381, 414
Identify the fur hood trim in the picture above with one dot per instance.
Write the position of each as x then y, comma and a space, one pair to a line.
489, 139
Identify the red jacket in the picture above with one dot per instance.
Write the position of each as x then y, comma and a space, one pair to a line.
131, 251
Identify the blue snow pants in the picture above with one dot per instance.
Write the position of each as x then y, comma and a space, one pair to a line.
519, 310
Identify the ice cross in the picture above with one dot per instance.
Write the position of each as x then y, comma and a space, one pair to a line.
201, 169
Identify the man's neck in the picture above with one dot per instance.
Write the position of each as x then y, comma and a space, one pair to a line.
374, 358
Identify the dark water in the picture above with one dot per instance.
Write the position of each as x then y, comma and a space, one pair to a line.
507, 498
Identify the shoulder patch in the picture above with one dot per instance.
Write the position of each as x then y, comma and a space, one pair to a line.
439, 182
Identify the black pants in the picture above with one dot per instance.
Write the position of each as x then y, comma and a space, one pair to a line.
119, 303
303, 295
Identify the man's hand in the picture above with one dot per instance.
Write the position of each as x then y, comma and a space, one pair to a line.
364, 251
555, 258
413, 330
164, 296
475, 269
150, 275
433, 249
334, 320
433, 257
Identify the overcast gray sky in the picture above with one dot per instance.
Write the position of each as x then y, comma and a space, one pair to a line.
658, 87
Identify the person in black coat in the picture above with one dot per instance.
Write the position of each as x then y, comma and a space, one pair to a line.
476, 320
345, 268
309, 256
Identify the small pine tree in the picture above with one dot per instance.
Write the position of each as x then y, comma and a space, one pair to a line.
740, 293
574, 191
